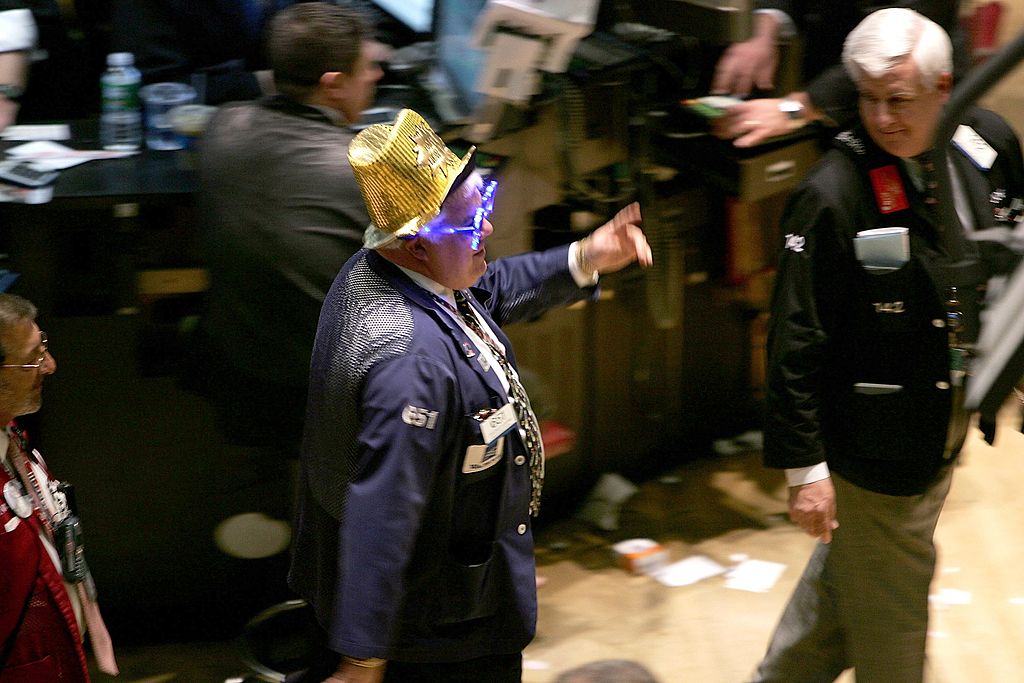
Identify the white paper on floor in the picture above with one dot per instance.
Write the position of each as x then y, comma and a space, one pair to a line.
738, 444
757, 576
690, 570
950, 596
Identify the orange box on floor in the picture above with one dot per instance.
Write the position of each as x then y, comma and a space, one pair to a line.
641, 555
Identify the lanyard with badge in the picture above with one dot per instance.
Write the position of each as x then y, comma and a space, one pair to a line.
57, 515
15, 496
62, 524
494, 424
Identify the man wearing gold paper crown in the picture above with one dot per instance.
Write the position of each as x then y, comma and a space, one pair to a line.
422, 462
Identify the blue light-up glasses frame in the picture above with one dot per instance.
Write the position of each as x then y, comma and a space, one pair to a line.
475, 231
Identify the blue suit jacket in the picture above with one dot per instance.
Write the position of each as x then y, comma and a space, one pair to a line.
402, 552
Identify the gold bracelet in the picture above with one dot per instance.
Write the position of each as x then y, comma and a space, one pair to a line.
585, 264
366, 663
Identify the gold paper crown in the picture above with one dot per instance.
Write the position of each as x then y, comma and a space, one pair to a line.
405, 172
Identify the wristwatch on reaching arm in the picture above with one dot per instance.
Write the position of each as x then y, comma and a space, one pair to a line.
11, 92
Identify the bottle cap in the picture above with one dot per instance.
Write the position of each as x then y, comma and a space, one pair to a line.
120, 59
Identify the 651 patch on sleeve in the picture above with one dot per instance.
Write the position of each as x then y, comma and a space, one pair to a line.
419, 417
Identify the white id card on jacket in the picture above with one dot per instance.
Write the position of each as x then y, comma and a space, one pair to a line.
498, 423
481, 457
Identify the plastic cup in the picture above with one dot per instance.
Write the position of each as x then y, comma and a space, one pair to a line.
159, 99
189, 120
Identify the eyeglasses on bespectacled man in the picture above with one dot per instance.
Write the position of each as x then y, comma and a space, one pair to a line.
40, 362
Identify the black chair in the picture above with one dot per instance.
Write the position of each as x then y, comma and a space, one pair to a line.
280, 640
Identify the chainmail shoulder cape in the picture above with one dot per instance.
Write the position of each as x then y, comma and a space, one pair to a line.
365, 321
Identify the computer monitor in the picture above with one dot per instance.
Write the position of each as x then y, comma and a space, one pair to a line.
415, 14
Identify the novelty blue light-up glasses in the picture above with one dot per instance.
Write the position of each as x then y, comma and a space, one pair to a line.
475, 231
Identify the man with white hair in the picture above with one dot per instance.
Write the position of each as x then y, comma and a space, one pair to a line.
828, 95
422, 462
864, 358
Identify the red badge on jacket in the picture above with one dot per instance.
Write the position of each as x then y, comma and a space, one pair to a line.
889, 193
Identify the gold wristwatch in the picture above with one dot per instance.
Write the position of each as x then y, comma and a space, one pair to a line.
366, 663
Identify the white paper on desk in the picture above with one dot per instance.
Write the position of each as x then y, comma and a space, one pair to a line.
757, 576
52, 156
40, 149
41, 131
58, 164
690, 570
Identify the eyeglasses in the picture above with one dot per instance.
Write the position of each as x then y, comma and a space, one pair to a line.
484, 211
44, 343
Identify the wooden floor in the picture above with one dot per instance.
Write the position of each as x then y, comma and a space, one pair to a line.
726, 508
730, 508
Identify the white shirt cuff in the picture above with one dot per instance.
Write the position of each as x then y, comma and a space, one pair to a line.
17, 30
581, 278
786, 28
798, 476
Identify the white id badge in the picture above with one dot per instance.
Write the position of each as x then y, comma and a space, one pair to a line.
975, 147
482, 457
498, 423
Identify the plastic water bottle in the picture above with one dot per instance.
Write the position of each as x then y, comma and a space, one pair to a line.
120, 117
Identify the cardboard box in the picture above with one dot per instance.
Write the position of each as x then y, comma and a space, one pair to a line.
641, 555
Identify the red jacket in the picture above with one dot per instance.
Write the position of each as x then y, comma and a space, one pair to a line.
39, 637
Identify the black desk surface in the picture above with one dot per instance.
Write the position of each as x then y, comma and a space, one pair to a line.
146, 173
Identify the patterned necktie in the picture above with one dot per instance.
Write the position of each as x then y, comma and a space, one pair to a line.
520, 401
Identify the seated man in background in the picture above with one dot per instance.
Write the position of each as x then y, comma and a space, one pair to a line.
422, 462
829, 95
864, 402
17, 38
282, 214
